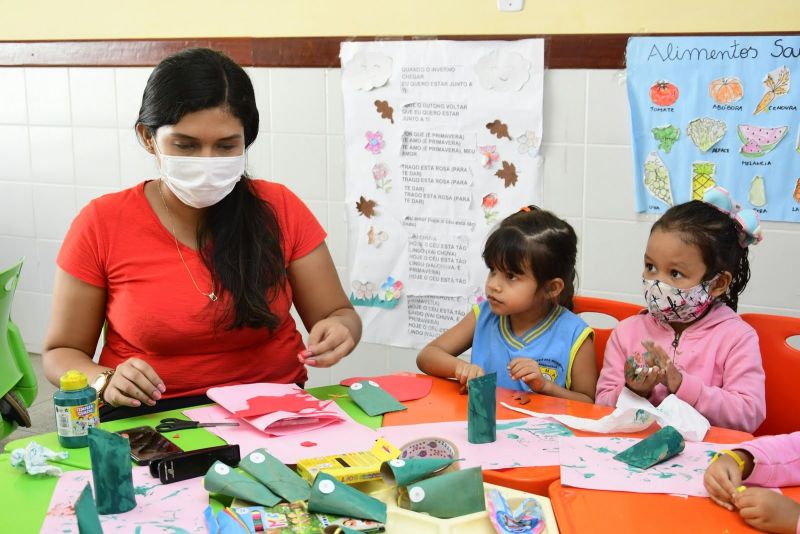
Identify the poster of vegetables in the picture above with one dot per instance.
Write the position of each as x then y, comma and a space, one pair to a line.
709, 111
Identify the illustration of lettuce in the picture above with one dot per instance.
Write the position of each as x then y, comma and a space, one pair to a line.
706, 132
666, 136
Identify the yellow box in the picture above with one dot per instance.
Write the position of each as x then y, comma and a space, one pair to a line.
351, 467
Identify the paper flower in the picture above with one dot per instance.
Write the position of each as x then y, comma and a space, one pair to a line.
367, 70
375, 142
503, 71
489, 201
363, 290
391, 288
528, 142
380, 172
489, 155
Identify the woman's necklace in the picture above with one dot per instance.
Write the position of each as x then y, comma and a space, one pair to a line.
212, 296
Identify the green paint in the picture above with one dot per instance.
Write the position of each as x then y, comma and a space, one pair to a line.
143, 490
547, 430
512, 436
641, 416
588, 475
512, 424
710, 454
603, 450
666, 475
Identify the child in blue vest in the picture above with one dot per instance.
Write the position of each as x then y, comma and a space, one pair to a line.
524, 330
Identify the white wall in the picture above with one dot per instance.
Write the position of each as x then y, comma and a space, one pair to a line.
66, 136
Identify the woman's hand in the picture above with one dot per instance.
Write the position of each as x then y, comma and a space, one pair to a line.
465, 372
767, 510
527, 370
672, 377
721, 480
328, 342
134, 382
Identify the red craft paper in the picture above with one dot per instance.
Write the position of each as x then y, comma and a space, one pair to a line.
403, 387
262, 405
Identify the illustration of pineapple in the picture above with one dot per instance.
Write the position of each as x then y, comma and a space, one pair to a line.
702, 178
656, 178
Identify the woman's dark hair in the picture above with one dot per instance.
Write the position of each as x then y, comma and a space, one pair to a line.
246, 256
535, 239
717, 236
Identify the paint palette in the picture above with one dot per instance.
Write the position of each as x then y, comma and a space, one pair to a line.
429, 448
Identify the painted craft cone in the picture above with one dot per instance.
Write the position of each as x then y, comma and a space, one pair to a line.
482, 409
404, 472
86, 513
654, 449
276, 476
111, 472
451, 495
329, 496
373, 399
224, 480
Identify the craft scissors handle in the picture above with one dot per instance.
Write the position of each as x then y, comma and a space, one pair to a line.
169, 424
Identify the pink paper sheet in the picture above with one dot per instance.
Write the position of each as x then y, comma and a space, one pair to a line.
589, 463
159, 508
525, 442
344, 436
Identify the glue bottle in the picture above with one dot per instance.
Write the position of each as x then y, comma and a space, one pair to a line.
76, 410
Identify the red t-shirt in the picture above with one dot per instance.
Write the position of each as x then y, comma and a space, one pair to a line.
155, 313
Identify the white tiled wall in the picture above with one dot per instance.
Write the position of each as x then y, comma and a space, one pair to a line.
66, 136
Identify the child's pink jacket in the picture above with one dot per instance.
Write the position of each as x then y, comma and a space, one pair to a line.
718, 356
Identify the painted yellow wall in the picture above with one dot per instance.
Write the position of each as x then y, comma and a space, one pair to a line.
114, 19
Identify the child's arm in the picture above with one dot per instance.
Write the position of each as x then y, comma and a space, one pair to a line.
777, 460
440, 356
583, 377
612, 375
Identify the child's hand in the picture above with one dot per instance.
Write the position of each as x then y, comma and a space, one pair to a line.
672, 376
527, 369
767, 510
721, 480
641, 379
465, 372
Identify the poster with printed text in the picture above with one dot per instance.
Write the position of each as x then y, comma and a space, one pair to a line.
722, 111
442, 142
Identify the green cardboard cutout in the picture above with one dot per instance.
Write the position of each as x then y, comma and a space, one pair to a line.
404, 472
329, 496
373, 399
451, 495
482, 409
111, 471
86, 512
276, 476
224, 480
654, 449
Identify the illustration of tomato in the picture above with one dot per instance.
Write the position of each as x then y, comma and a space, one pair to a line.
663, 93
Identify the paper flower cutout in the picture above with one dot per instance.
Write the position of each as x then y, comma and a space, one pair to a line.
363, 290
477, 295
376, 238
503, 71
529, 142
367, 70
380, 173
391, 288
489, 155
489, 201
387, 296
375, 142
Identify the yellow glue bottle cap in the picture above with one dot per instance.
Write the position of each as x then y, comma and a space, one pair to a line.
73, 380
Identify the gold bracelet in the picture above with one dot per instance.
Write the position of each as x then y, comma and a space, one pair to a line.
736, 458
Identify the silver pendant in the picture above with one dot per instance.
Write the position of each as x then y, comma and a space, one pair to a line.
212, 296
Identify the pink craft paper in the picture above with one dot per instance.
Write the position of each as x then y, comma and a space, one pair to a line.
235, 399
525, 442
589, 463
295, 403
343, 436
401, 386
174, 507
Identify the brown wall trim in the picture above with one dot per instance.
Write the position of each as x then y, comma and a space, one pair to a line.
579, 51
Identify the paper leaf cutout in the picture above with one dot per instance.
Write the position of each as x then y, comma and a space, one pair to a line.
776, 83
366, 207
498, 128
263, 405
386, 111
508, 174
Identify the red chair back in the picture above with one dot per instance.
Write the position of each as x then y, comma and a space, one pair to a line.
782, 368
614, 308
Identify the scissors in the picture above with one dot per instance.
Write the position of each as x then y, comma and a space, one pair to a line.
170, 424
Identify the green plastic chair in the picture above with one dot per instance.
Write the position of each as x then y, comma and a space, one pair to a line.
18, 386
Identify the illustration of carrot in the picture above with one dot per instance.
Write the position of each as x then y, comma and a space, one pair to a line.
777, 83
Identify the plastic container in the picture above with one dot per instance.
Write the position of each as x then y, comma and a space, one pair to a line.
76, 410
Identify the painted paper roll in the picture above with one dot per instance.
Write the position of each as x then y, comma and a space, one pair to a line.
403, 472
482, 409
111, 471
329, 496
654, 449
276, 476
451, 495
223, 479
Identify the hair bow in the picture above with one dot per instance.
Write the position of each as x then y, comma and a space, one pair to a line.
747, 220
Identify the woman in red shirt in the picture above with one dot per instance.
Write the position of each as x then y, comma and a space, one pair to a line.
194, 274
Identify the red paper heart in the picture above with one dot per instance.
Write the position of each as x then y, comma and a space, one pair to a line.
403, 387
263, 405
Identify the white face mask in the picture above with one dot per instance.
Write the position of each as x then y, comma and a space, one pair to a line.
199, 181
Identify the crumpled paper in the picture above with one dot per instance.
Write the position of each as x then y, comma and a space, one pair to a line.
33, 458
633, 414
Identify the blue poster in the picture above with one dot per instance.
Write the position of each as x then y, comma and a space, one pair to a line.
721, 111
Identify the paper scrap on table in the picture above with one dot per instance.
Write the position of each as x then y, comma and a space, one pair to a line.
589, 463
634, 414
176, 507
33, 458
525, 442
343, 436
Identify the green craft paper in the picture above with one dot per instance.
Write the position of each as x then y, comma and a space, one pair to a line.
482, 409
404, 472
111, 471
276, 476
86, 512
225, 480
451, 495
654, 449
373, 399
343, 500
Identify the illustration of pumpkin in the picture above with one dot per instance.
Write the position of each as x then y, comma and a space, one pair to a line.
663, 93
726, 90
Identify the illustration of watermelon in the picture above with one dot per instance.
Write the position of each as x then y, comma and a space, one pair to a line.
758, 141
